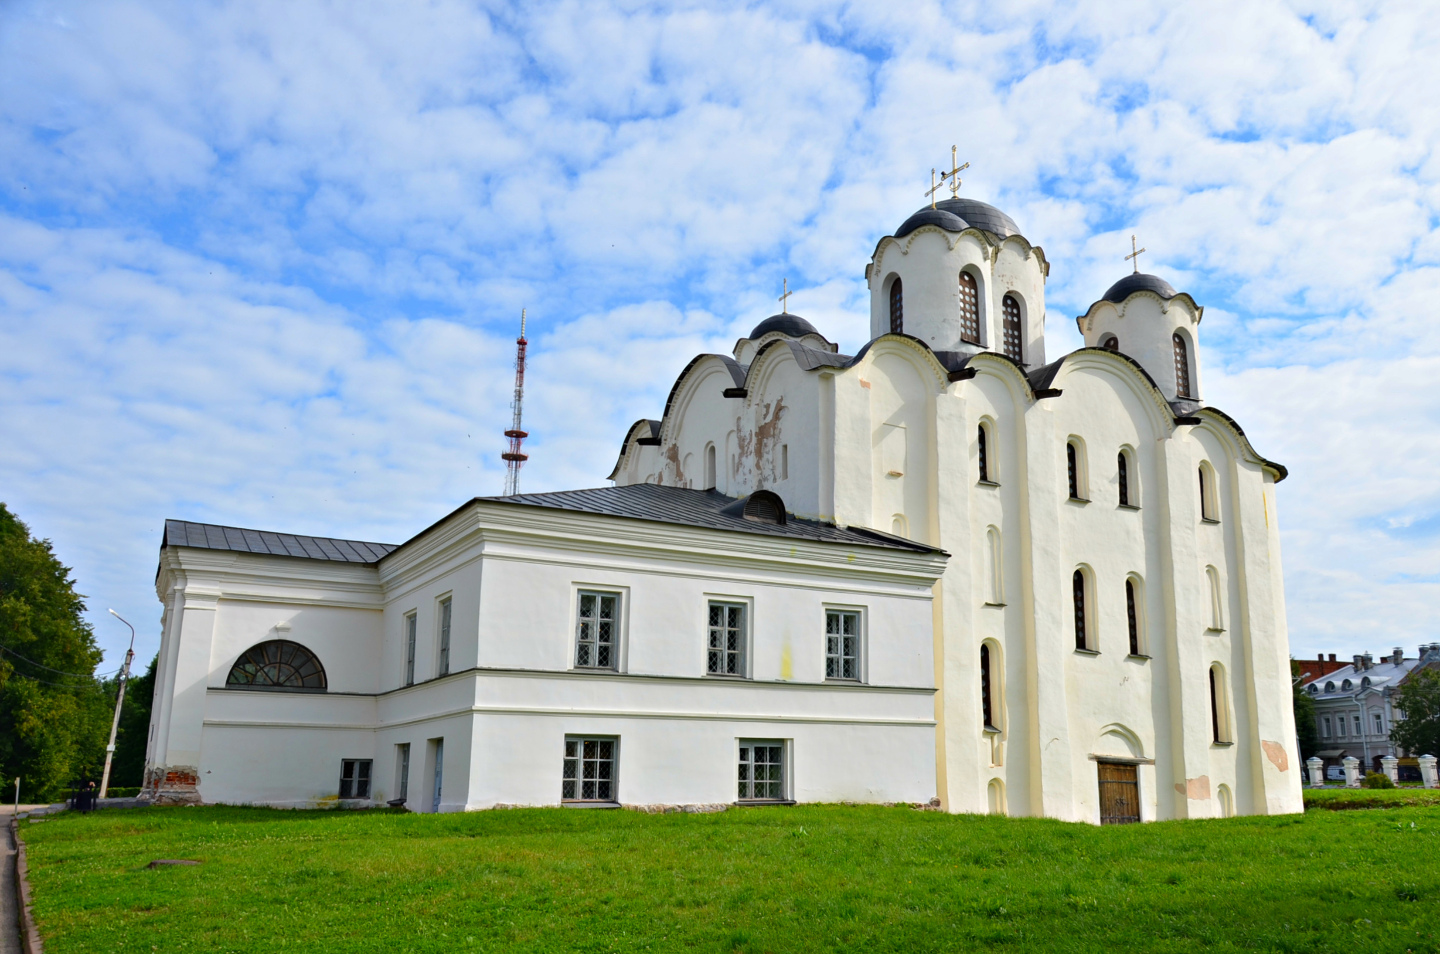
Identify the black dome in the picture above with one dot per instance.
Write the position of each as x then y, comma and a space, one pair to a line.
1136, 282
956, 215
792, 325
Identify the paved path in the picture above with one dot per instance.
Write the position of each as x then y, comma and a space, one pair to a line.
9, 915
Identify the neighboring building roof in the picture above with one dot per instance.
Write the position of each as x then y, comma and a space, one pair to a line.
1381, 675
957, 215
792, 325
209, 536
1136, 282
700, 508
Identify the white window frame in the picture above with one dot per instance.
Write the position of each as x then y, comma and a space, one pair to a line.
746, 651
444, 625
579, 740
409, 630
617, 624
745, 765
861, 618
402, 771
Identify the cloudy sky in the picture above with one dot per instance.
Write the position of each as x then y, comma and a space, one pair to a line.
262, 263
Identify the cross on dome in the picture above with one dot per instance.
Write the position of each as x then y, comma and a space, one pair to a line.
953, 175
1134, 255
784, 298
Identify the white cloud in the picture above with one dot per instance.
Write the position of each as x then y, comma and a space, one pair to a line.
261, 263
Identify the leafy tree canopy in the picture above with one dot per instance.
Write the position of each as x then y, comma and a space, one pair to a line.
53, 712
1305, 730
1419, 699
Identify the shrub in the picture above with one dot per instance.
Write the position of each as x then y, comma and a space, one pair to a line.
1376, 780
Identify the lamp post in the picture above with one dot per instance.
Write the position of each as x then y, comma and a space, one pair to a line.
119, 698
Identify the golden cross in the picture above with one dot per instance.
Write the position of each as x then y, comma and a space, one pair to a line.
785, 305
1134, 255
933, 187
954, 174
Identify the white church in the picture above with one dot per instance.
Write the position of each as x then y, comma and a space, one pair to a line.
948, 570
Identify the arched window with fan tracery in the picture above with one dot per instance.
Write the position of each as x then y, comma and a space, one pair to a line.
897, 307
278, 664
969, 309
1014, 338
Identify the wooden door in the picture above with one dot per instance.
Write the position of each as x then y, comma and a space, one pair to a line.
1119, 793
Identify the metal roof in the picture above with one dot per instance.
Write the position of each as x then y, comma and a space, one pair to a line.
1136, 282
956, 215
792, 325
701, 508
209, 536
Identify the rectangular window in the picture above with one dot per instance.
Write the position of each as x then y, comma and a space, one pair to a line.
727, 640
1325, 723
1379, 725
1358, 731
410, 650
762, 771
842, 644
589, 774
444, 637
1340, 727
596, 630
402, 771
355, 778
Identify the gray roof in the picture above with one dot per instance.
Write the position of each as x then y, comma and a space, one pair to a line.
956, 215
1136, 282
701, 508
792, 325
209, 536
1381, 675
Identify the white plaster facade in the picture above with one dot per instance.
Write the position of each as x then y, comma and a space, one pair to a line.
514, 693
889, 439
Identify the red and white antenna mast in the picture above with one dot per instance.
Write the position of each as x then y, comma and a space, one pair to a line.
513, 457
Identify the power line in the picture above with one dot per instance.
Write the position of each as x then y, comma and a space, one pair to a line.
77, 675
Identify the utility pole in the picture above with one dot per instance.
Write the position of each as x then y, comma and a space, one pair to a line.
119, 698
513, 457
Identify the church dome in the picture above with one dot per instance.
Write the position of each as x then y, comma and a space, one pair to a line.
956, 215
787, 324
1137, 282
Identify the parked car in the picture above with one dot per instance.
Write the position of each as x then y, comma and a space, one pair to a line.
1335, 773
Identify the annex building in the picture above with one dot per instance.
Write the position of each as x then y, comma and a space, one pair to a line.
949, 568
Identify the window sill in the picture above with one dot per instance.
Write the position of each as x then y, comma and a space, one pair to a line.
1087, 652
988, 603
842, 681
986, 483
734, 677
1210, 520
612, 670
1223, 745
1127, 506
1077, 500
577, 803
1214, 629
991, 730
1140, 656
763, 802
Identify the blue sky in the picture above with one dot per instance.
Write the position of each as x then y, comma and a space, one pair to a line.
262, 264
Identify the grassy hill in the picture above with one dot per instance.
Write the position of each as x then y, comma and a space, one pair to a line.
810, 878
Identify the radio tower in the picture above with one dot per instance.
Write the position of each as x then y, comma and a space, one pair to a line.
513, 457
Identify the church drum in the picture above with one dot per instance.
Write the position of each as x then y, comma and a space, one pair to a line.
1119, 793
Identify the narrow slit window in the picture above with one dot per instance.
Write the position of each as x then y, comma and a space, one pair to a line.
762, 771
1182, 366
1122, 465
986, 703
444, 668
1215, 707
726, 651
969, 309
842, 644
589, 774
596, 630
410, 650
354, 778
897, 307
1077, 589
402, 771
1132, 617
1014, 337
710, 467
983, 450
1073, 465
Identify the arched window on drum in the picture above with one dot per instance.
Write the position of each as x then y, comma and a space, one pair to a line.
278, 664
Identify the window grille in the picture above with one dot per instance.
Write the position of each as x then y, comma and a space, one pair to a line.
984, 461
595, 631
762, 771
444, 637
277, 664
1077, 586
1014, 339
1133, 618
842, 644
410, 623
1122, 465
897, 307
727, 640
1074, 471
589, 770
1182, 367
985, 703
969, 309
354, 778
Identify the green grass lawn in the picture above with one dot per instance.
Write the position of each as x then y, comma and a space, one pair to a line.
1340, 798
810, 878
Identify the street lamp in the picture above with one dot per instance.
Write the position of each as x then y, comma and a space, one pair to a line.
119, 698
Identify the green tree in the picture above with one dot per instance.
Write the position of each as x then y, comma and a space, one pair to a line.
1419, 699
53, 719
1305, 730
